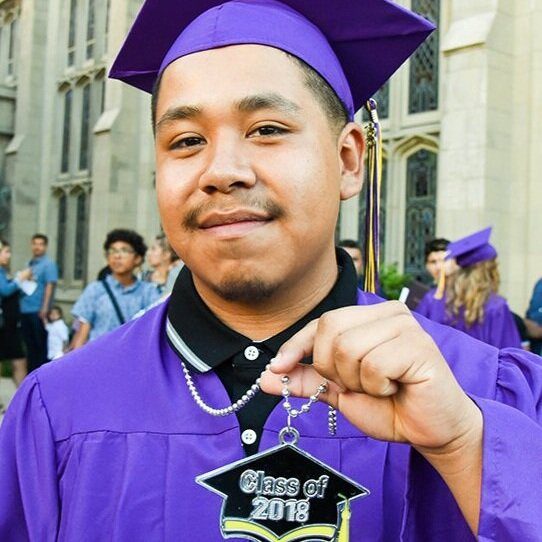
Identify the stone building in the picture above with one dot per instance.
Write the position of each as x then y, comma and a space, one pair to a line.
462, 121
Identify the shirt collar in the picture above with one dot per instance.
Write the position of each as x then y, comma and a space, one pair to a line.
117, 285
204, 342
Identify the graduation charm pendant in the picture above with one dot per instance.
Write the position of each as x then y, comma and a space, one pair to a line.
283, 495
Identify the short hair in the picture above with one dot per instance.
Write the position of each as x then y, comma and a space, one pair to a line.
41, 236
164, 244
3, 243
129, 237
436, 245
331, 104
56, 308
349, 243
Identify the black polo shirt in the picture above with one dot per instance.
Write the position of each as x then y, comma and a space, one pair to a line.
205, 343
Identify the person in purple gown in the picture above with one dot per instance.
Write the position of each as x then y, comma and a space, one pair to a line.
470, 302
252, 106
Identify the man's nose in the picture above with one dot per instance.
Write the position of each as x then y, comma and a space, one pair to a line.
228, 168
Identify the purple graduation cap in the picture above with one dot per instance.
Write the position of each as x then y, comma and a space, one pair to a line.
472, 249
355, 45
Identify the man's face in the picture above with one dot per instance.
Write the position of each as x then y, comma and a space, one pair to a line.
122, 258
434, 263
39, 247
249, 172
355, 254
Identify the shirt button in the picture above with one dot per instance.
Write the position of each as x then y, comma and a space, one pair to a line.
252, 353
248, 436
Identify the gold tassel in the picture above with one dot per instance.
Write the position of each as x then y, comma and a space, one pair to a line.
372, 219
344, 529
441, 285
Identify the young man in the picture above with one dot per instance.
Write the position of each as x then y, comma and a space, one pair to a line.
35, 307
254, 151
354, 251
106, 304
435, 252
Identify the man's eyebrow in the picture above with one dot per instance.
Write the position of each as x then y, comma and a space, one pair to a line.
180, 112
270, 100
249, 104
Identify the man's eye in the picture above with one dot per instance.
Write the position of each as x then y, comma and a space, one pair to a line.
186, 142
268, 130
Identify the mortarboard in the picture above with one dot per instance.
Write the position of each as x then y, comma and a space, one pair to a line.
313, 505
469, 250
355, 45
472, 249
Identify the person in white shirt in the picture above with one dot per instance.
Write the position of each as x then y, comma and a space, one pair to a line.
57, 333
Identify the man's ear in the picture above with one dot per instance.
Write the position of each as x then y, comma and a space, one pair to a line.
351, 147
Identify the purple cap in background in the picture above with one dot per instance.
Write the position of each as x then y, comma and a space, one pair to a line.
472, 249
355, 45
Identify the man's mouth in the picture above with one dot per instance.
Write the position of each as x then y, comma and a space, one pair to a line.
234, 223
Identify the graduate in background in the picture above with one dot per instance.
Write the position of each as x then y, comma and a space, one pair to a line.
469, 300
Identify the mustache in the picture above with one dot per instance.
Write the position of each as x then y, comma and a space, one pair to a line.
191, 220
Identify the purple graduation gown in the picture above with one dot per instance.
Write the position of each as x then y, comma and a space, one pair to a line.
497, 329
105, 444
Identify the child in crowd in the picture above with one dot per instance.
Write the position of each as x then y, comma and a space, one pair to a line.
57, 333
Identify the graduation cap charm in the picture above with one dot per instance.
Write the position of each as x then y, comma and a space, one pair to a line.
283, 495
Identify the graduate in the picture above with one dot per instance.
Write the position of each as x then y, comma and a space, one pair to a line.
470, 300
370, 423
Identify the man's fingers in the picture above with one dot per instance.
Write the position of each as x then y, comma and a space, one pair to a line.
295, 350
304, 382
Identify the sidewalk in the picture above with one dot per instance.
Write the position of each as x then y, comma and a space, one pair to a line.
7, 389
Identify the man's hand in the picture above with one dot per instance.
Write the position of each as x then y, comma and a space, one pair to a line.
43, 316
388, 377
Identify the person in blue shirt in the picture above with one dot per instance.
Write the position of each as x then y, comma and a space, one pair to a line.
34, 307
108, 303
11, 347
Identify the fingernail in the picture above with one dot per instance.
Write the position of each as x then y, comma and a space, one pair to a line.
276, 359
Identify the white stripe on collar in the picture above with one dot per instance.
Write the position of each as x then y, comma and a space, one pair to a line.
183, 349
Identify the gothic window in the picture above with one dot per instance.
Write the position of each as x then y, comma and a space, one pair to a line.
61, 233
102, 96
71, 32
106, 31
424, 64
79, 263
85, 129
5, 207
91, 23
420, 216
12, 46
382, 98
362, 210
65, 163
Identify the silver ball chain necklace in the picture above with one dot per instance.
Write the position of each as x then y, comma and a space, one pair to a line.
252, 392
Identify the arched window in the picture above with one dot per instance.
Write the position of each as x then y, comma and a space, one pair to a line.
61, 233
362, 210
65, 162
91, 24
14, 25
421, 195
85, 129
71, 32
106, 31
424, 64
81, 215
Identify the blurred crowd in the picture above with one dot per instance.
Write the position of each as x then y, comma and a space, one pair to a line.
33, 329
